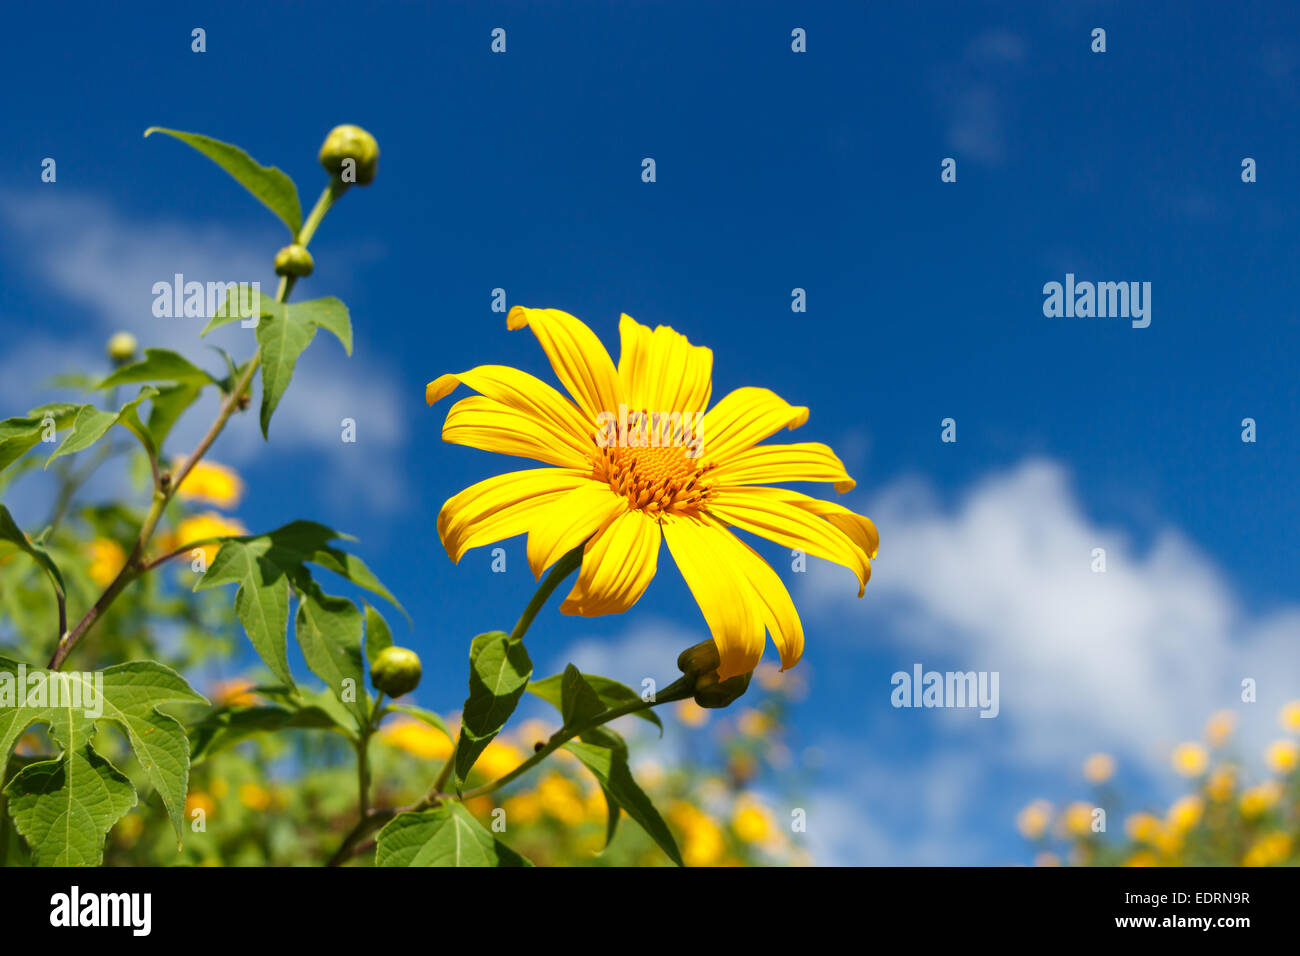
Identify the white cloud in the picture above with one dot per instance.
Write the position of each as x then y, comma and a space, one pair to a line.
107, 264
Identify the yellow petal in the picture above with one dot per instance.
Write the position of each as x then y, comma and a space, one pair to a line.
577, 355
744, 418
526, 394
570, 521
502, 507
772, 600
767, 512
483, 423
661, 370
860, 529
706, 559
618, 564
765, 464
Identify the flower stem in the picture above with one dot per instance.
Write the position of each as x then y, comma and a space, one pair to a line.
561, 570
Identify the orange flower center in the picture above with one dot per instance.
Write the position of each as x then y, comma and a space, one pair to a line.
653, 479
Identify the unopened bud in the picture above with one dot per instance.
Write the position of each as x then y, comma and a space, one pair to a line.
701, 662
350, 143
700, 658
396, 671
122, 348
294, 260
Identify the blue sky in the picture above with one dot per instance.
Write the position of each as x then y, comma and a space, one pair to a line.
775, 170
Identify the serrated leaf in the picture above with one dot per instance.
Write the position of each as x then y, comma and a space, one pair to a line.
611, 770
281, 340
611, 693
329, 314
158, 365
272, 187
499, 669
329, 632
358, 572
378, 635
66, 805
91, 424
262, 601
447, 835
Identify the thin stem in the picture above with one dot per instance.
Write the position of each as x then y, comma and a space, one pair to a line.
135, 565
562, 569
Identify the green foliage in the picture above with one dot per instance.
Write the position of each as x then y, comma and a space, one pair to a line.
92, 424
611, 769
447, 835
9, 531
610, 692
284, 333
65, 805
272, 188
499, 669
18, 436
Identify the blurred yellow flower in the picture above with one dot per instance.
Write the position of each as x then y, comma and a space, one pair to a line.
1077, 819
201, 526
1143, 827
1282, 756
1256, 801
1033, 820
1099, 768
769, 676
560, 798
254, 797
106, 559
1190, 759
415, 737
1185, 813
692, 714
498, 759
235, 692
1289, 717
703, 841
753, 723
1268, 850
212, 483
1142, 858
1221, 783
198, 800
752, 822
522, 809
1220, 727
1047, 859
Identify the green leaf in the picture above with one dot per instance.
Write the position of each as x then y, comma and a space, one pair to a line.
447, 835
272, 188
64, 806
329, 314
92, 424
611, 770
378, 636
579, 704
9, 531
228, 726
611, 693
356, 571
329, 633
262, 601
426, 716
158, 365
281, 340
166, 408
236, 309
18, 436
499, 669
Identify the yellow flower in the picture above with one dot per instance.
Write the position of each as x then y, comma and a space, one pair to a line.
1256, 801
752, 822
753, 723
704, 843
1099, 768
1289, 717
560, 797
1283, 756
416, 737
1268, 850
254, 797
522, 809
201, 526
498, 759
106, 559
1077, 819
1190, 759
1220, 727
1142, 858
1220, 784
639, 460
1033, 820
1143, 827
198, 800
236, 692
210, 482
1185, 813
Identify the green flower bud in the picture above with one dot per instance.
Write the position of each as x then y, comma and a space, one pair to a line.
122, 348
396, 671
711, 692
354, 143
701, 658
294, 260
